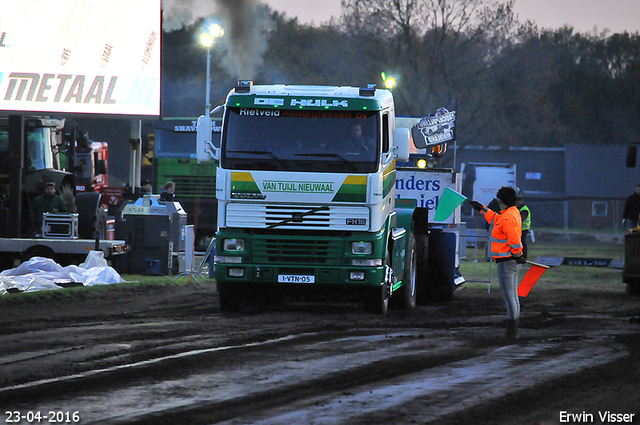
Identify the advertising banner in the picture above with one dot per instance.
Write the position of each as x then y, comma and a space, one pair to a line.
427, 188
436, 128
79, 56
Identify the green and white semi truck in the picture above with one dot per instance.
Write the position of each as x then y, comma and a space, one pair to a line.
302, 202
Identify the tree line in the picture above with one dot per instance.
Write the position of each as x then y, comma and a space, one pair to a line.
516, 84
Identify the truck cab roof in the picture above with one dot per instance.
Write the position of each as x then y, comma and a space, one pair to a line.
368, 98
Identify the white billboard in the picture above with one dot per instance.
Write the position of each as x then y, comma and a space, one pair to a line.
80, 56
427, 187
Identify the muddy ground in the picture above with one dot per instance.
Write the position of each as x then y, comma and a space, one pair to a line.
166, 354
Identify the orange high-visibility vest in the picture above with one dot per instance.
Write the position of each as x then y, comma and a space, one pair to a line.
507, 230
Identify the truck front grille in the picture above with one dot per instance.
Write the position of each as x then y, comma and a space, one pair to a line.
194, 186
297, 251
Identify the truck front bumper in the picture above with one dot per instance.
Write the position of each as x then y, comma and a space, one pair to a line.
299, 275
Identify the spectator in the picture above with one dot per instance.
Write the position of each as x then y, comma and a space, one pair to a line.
145, 187
48, 202
167, 191
632, 210
525, 214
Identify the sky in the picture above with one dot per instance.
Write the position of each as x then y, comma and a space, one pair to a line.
583, 15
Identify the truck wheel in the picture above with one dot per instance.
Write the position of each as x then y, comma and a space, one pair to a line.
633, 288
422, 268
6, 262
377, 299
230, 294
39, 251
405, 296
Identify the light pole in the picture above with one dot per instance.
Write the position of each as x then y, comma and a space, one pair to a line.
214, 31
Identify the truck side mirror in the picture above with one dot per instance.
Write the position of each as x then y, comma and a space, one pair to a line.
402, 141
205, 150
632, 154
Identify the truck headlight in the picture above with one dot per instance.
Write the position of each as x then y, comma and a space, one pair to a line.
227, 259
234, 244
366, 262
361, 248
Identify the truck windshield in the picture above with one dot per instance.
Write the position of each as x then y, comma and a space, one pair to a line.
297, 140
38, 157
169, 144
39, 149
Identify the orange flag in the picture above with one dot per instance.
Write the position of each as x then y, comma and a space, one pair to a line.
531, 278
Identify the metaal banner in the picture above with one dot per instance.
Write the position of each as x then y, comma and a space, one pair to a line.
427, 188
79, 56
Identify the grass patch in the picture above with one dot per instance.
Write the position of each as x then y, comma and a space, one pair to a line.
602, 250
581, 278
587, 230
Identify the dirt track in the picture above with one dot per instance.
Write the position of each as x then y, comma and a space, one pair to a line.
167, 355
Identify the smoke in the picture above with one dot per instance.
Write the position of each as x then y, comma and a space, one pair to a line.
245, 24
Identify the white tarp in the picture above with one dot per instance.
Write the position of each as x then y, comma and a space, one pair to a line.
41, 273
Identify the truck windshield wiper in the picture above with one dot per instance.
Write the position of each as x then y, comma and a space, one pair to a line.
329, 155
297, 217
270, 154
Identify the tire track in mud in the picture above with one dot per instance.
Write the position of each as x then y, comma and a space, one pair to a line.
290, 378
102, 360
50, 353
433, 393
97, 386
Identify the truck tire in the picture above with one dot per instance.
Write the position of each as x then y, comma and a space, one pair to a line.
6, 262
39, 251
377, 299
633, 288
91, 216
422, 268
437, 284
230, 295
405, 296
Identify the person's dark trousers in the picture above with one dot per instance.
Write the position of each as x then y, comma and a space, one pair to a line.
525, 233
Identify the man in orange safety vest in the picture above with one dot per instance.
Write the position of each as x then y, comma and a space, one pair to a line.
506, 250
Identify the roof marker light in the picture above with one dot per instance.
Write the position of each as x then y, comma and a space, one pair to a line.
368, 91
244, 86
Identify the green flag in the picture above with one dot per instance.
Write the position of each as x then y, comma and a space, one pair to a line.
448, 203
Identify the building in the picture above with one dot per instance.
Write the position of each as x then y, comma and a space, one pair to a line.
577, 186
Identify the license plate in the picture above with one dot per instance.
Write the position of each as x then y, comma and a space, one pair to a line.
296, 278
